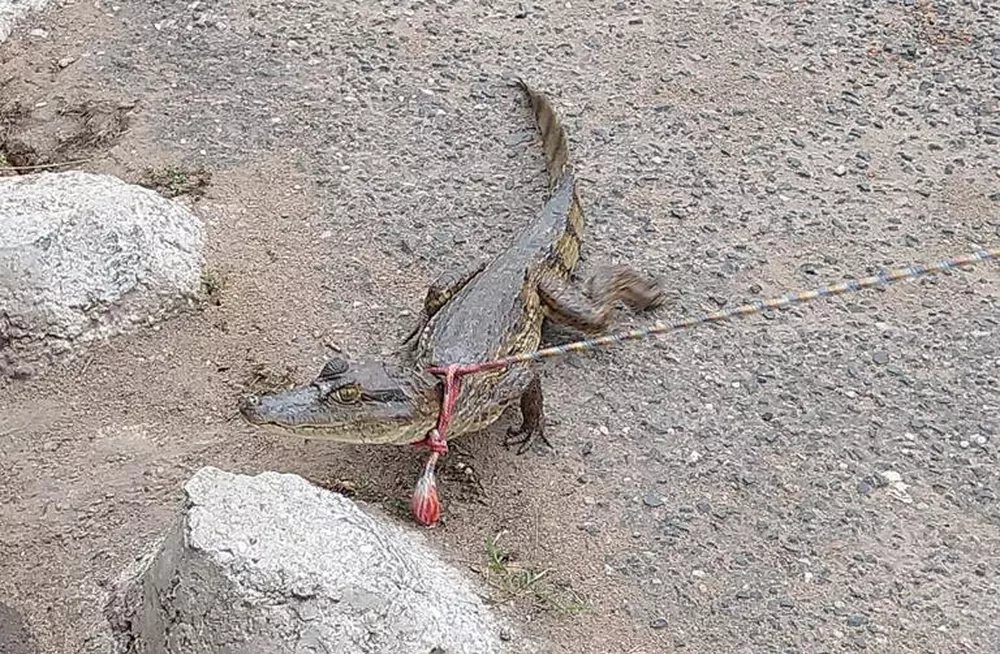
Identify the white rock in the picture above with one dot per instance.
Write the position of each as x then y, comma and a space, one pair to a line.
86, 256
271, 563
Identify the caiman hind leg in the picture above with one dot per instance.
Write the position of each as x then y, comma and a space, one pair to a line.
442, 289
591, 312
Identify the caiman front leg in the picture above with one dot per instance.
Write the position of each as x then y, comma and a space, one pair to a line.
442, 289
522, 383
591, 312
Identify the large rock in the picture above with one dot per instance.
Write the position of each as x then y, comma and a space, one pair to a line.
86, 256
272, 564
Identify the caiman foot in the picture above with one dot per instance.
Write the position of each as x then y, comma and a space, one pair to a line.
525, 436
533, 423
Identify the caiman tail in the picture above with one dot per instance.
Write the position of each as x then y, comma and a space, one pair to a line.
555, 145
554, 140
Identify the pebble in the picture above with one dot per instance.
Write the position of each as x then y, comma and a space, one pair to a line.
652, 500
891, 476
857, 620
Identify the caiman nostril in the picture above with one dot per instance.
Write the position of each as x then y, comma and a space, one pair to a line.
248, 404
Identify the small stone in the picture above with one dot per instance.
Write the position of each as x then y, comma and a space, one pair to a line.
891, 476
840, 170
652, 500
66, 61
857, 620
880, 357
658, 623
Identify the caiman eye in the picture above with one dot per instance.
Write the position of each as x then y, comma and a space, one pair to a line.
348, 394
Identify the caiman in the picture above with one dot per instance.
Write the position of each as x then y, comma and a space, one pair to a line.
478, 313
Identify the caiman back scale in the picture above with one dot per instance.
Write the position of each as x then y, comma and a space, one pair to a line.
474, 314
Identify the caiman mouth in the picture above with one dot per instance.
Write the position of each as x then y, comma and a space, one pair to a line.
307, 409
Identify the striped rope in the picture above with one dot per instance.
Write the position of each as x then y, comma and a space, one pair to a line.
424, 503
883, 278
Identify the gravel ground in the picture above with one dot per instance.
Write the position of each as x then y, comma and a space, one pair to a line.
822, 479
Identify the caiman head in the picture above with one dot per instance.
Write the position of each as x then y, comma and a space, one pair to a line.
353, 402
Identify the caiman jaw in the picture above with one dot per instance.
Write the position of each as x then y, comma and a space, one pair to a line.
351, 403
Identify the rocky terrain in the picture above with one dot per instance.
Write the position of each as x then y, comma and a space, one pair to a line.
822, 479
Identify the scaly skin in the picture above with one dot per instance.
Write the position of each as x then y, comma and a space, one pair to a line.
479, 313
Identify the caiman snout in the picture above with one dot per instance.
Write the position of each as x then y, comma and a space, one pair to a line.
290, 408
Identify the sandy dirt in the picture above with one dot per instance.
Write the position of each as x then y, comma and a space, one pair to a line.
823, 479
